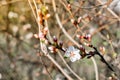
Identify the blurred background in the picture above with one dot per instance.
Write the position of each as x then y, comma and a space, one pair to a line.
19, 59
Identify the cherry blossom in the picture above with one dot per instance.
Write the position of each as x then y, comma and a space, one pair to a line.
73, 53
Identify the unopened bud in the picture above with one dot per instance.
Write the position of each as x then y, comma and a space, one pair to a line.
87, 44
54, 38
102, 50
87, 37
60, 43
82, 48
52, 49
47, 16
79, 36
41, 35
79, 19
36, 35
91, 53
69, 6
74, 22
45, 30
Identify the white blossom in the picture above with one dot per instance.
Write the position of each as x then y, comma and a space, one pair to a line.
73, 53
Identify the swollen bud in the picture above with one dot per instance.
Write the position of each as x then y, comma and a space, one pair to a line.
60, 43
102, 50
55, 39
79, 19
74, 22
69, 6
82, 48
87, 37
52, 49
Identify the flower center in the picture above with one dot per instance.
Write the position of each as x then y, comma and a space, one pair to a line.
72, 54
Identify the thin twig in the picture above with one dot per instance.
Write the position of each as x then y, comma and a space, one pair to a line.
49, 36
38, 33
96, 68
103, 27
59, 67
39, 26
32, 10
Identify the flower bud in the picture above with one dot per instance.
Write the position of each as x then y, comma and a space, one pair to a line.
41, 35
69, 6
60, 43
74, 22
45, 31
82, 49
102, 50
52, 49
87, 37
54, 38
79, 36
36, 35
79, 19
47, 16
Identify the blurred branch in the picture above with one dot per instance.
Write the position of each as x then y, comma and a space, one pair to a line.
10, 2
96, 68
28, 61
32, 10
103, 27
59, 67
113, 13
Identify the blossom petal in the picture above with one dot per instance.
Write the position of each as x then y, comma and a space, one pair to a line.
67, 54
75, 57
70, 48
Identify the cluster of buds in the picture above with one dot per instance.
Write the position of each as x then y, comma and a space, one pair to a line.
86, 37
55, 45
43, 40
42, 35
43, 14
